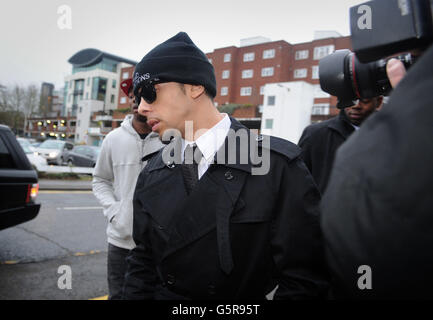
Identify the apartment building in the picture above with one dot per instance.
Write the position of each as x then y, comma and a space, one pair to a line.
242, 72
93, 87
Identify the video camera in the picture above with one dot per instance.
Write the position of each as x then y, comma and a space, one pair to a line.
379, 29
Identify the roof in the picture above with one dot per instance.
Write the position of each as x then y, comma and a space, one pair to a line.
89, 57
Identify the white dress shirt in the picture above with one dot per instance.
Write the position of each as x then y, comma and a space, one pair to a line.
209, 143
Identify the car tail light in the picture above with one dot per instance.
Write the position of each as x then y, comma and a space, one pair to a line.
32, 192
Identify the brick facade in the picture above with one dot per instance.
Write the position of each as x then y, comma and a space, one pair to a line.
282, 61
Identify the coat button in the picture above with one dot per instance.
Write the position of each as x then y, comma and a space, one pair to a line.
211, 289
170, 164
228, 175
170, 279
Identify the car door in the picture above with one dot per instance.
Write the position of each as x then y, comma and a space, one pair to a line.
88, 157
79, 157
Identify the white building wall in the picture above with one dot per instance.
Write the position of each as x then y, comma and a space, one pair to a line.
84, 113
87, 92
291, 112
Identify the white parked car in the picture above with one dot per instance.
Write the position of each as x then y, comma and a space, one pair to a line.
37, 161
54, 151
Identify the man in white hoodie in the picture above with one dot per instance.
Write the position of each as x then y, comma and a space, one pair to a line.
114, 179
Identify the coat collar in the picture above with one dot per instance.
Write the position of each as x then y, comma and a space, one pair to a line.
342, 124
221, 157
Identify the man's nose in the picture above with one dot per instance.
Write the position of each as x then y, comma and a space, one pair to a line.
144, 107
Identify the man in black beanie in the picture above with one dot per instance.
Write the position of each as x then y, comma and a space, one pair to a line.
210, 223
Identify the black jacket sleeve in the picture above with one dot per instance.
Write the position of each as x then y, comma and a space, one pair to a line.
296, 239
140, 277
306, 145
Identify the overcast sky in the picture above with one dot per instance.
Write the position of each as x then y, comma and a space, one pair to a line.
34, 49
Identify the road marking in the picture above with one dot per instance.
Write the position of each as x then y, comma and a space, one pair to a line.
79, 254
62, 191
100, 298
9, 262
80, 208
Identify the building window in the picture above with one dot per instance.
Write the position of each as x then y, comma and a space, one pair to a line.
301, 54
226, 74
112, 98
269, 123
269, 54
246, 91
80, 110
78, 123
315, 72
320, 109
262, 90
268, 72
248, 56
87, 96
88, 81
123, 100
125, 75
271, 101
246, 74
224, 91
99, 88
320, 52
227, 57
300, 73
114, 83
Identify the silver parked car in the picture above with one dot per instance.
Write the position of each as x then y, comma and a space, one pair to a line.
55, 151
83, 156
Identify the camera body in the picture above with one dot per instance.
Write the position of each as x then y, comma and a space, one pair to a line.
379, 29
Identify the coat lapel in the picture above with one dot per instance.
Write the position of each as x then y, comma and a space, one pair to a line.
209, 206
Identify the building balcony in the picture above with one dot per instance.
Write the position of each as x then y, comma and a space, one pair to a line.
103, 118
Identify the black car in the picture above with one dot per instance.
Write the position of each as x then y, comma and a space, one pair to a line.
83, 156
18, 182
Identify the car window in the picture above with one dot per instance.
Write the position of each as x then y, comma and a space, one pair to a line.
78, 150
69, 146
6, 161
52, 144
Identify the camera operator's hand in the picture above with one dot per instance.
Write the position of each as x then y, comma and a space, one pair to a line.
395, 71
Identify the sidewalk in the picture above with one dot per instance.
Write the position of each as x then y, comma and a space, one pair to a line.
48, 184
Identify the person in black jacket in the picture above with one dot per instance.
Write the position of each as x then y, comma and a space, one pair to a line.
215, 228
320, 141
377, 216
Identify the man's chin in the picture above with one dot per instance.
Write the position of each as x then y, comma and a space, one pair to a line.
140, 118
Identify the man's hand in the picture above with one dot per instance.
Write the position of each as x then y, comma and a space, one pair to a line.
395, 71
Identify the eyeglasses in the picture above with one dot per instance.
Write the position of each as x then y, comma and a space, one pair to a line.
146, 91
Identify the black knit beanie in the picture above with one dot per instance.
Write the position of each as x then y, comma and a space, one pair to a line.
176, 60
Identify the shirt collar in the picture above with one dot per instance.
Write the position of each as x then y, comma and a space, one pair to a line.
212, 140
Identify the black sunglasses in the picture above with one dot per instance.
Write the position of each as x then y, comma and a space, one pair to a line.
146, 91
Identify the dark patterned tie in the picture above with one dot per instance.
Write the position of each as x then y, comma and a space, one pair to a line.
192, 157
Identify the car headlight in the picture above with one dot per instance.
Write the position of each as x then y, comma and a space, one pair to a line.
53, 154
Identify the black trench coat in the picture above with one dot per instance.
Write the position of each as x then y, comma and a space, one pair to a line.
231, 236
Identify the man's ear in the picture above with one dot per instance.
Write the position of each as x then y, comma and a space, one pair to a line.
196, 91
379, 103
